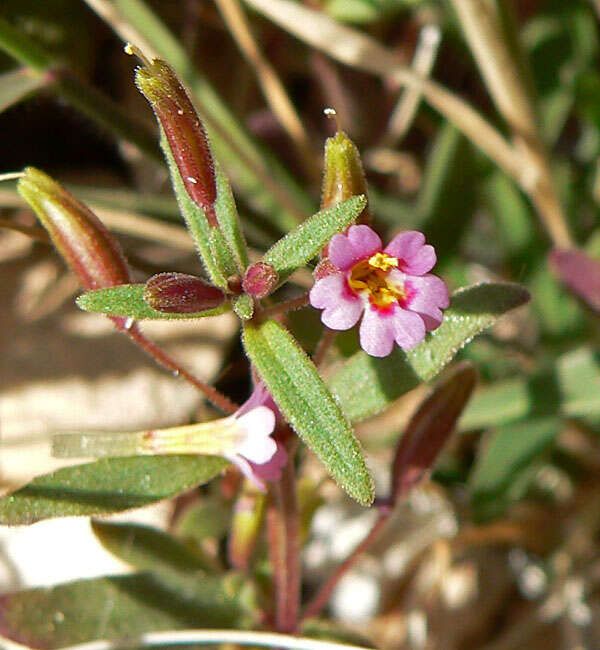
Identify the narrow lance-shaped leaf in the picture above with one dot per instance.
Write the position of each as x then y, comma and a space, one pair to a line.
117, 607
128, 301
105, 486
148, 549
429, 430
365, 385
305, 242
308, 406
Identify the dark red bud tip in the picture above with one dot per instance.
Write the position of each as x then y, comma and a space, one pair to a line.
260, 279
184, 131
579, 272
85, 244
177, 293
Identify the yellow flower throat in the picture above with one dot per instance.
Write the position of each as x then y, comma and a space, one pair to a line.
371, 275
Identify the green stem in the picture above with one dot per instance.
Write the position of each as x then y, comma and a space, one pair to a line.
97, 106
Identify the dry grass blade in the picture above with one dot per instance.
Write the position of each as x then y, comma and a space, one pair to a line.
481, 25
408, 104
270, 83
360, 51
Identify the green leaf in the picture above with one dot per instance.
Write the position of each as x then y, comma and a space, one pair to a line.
243, 306
502, 402
309, 407
128, 300
579, 379
146, 548
107, 485
304, 242
509, 449
17, 85
229, 221
116, 607
365, 385
222, 255
194, 217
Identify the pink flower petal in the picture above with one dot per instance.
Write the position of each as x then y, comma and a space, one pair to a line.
257, 425
247, 470
416, 257
409, 328
364, 239
377, 333
341, 252
271, 470
428, 294
342, 308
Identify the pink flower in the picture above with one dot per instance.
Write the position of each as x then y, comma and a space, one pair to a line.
247, 459
400, 300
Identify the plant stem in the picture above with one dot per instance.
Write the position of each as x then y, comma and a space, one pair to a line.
320, 600
284, 546
217, 637
325, 342
221, 401
285, 306
88, 100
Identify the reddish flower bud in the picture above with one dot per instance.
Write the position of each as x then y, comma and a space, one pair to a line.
429, 430
185, 134
79, 236
580, 273
324, 267
177, 293
260, 279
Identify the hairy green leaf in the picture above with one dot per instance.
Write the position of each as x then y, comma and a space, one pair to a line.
116, 607
229, 221
304, 242
128, 300
148, 549
365, 385
107, 485
303, 398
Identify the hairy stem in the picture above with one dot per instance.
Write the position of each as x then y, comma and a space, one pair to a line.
315, 607
325, 342
284, 547
222, 402
285, 306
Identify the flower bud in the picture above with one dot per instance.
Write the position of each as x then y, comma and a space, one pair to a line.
79, 236
185, 134
344, 176
245, 526
178, 293
260, 279
429, 430
580, 272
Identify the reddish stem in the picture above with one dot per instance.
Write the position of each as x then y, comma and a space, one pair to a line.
321, 599
285, 306
221, 401
284, 548
325, 342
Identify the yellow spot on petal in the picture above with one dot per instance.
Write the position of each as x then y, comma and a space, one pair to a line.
371, 276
